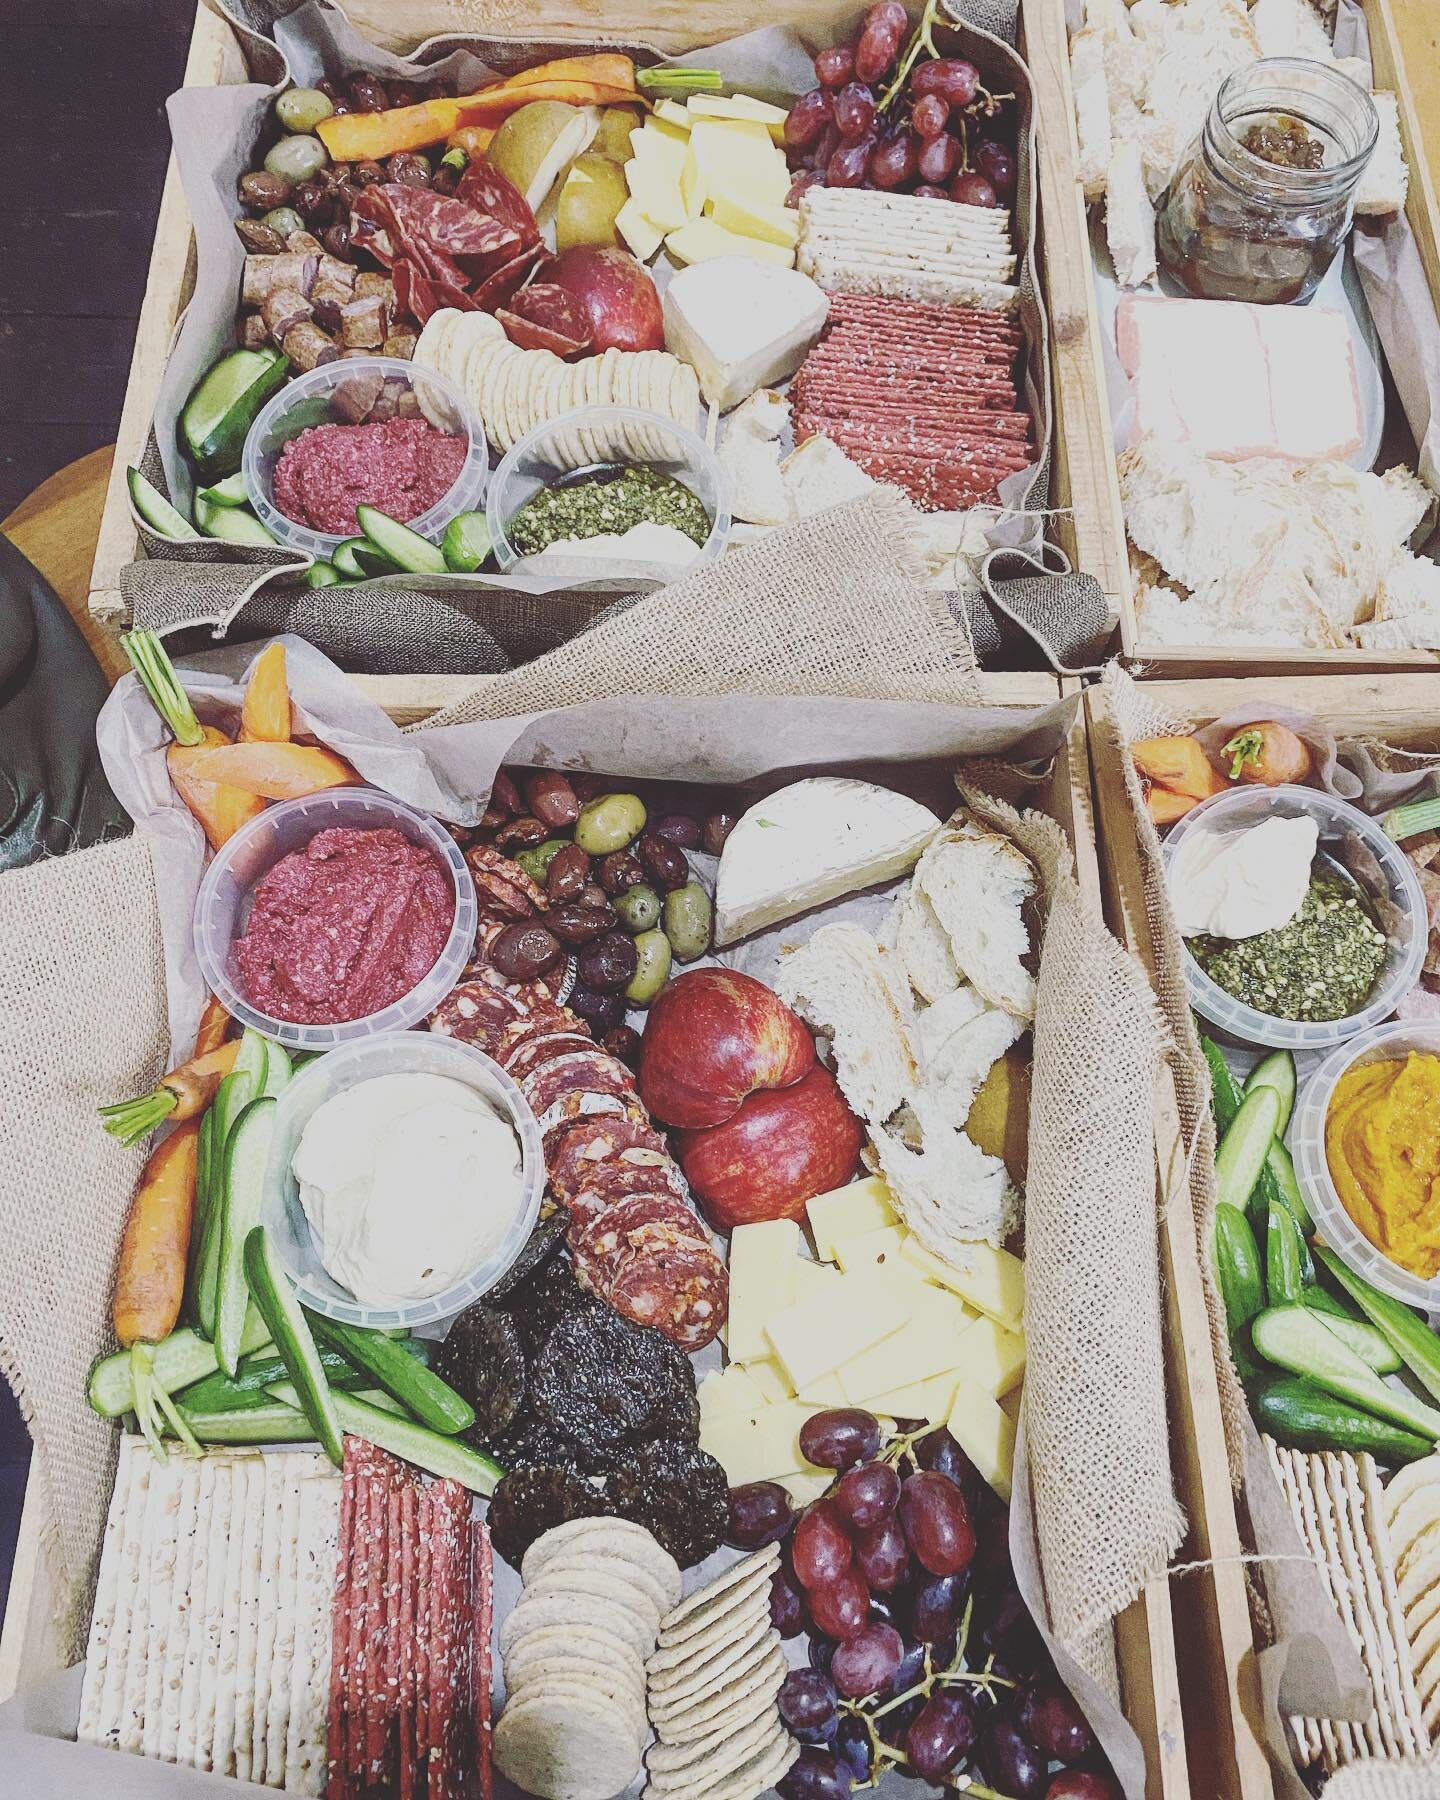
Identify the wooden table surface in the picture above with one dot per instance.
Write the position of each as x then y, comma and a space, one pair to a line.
1417, 24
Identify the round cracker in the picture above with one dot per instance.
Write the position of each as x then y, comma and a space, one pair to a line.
732, 1692
722, 1768
612, 1678
595, 1643
581, 1560
713, 1630
1407, 1481
675, 1759
605, 1531
675, 1683
569, 1608
569, 1685
759, 1775
735, 1583
613, 1585
566, 1749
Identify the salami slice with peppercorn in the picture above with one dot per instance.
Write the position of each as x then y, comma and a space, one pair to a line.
589, 1141
478, 1014
588, 1104
609, 1182
633, 1220
592, 1071
532, 1053
682, 1290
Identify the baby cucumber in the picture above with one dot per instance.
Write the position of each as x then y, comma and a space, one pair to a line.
282, 1312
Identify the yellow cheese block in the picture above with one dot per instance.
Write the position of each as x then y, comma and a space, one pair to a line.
763, 1259
825, 1390
847, 1212
878, 1249
929, 1400
929, 1343
673, 114
715, 1398
832, 1327
985, 1434
772, 224
659, 147
990, 1280
762, 1445
640, 233
737, 106
656, 192
734, 157
992, 1357
702, 240
814, 1278
769, 1379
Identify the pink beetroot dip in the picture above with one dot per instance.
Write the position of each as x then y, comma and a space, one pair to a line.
403, 466
345, 927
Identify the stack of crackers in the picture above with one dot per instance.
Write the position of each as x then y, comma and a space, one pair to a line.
1341, 1512
1412, 1520
574, 1649
210, 1639
864, 241
516, 391
712, 1683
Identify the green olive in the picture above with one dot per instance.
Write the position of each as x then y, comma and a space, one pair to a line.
302, 109
687, 921
653, 948
638, 909
296, 158
537, 860
283, 219
610, 823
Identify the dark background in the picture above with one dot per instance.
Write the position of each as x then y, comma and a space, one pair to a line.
82, 124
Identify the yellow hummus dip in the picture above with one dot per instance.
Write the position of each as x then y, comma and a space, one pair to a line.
1382, 1142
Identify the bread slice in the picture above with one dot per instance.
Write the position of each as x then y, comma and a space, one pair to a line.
1092, 109
1291, 28
750, 456
819, 475
1386, 179
924, 948
978, 882
848, 989
961, 1037
1129, 216
1407, 608
949, 1190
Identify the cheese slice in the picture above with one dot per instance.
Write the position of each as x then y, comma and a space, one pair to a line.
990, 1280
656, 192
992, 1357
929, 1343
762, 1445
802, 1489
986, 1434
739, 106
772, 224
818, 1335
929, 1400
762, 1282
812, 842
769, 1379
824, 1391
878, 1249
659, 147
702, 241
814, 1278
642, 234
672, 113
847, 1212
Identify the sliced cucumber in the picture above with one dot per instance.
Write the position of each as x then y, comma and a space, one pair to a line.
1243, 1148
1417, 1346
233, 1095
1297, 1413
410, 552
1277, 1070
283, 1313
1368, 1344
231, 524
321, 574
346, 562
232, 491
1301, 1341
443, 1457
1279, 1167
247, 1155
200, 1227
387, 1360
467, 543
163, 519
278, 1069
221, 410
181, 1359
272, 1422
248, 1387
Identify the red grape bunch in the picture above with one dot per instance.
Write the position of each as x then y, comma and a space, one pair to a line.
922, 1655
919, 134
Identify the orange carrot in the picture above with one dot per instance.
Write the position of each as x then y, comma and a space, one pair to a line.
220, 808
1178, 763
265, 715
492, 107
601, 68
1165, 806
214, 1023
474, 140
1267, 754
184, 1093
273, 771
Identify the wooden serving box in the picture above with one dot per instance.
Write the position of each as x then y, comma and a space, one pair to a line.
1222, 1696
1401, 43
216, 59
1145, 1642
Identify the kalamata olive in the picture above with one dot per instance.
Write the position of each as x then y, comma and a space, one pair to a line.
521, 833
296, 158
610, 823
679, 829
504, 795
409, 168
638, 908
624, 1042
591, 787
601, 1012
335, 175
551, 797
366, 174
716, 829
664, 863
653, 951
609, 963
314, 202
618, 871
521, 952
302, 109
264, 189
404, 93
259, 238
332, 90
367, 93
336, 239
687, 921
594, 895
446, 179
536, 863
575, 924
284, 221
568, 873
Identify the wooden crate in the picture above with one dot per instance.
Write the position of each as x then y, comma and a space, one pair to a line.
215, 59
1222, 1689
1400, 41
1145, 1641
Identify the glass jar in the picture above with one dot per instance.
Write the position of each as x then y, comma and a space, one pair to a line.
1235, 225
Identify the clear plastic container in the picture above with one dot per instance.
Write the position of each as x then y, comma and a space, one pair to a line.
1346, 835
606, 434
396, 1053
343, 393
1386, 1043
223, 906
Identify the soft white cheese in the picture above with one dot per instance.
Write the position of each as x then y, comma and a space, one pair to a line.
409, 1182
1240, 885
742, 324
646, 542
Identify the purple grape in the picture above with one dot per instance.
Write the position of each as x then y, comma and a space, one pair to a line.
820, 1550
855, 110
868, 1494
1011, 1761
816, 1775
866, 1662
912, 1667
951, 78
807, 118
787, 1608
835, 66
997, 165
852, 1743
1083, 1784
935, 1607
883, 1556
1007, 1629
894, 161
760, 1514
1052, 1721
846, 168
840, 1437
821, 1650
936, 1522
944, 1733
930, 116
970, 189
806, 1699
895, 1726
939, 158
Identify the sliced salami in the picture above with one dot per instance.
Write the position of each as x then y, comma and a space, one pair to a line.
337, 1784
614, 1180
544, 1019
501, 283
482, 1597
623, 1224
591, 1070
533, 1052
478, 1014
488, 191
682, 1290
589, 1141
586, 1105
405, 1693
502, 888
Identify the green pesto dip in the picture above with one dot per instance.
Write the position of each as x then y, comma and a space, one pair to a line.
1322, 965
599, 505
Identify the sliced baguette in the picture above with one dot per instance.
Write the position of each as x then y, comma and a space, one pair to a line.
978, 882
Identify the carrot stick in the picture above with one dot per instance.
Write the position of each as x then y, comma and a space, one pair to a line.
219, 808
183, 1094
492, 106
474, 140
214, 1023
272, 771
603, 68
265, 715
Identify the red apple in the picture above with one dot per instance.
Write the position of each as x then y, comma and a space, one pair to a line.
780, 1149
713, 1037
615, 293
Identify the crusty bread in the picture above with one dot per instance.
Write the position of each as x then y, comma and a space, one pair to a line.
820, 474
750, 456
1407, 608
1386, 179
923, 948
1291, 28
960, 1039
1129, 216
845, 986
948, 1188
978, 881
1092, 109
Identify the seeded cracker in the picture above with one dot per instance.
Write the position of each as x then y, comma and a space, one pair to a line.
720, 1752
591, 1643
618, 1590
734, 1697
724, 1657
741, 1578
130, 1603
565, 1749
242, 1497
609, 1537
207, 1570
580, 1561
102, 1617
170, 1621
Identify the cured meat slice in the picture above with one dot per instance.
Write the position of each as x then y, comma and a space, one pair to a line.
558, 1119
449, 1586
681, 1290
444, 221
405, 1673
478, 1014
482, 1593
415, 296
534, 1052
424, 1534
546, 316
613, 1180
576, 1149
590, 1071
488, 191
623, 1224
502, 887
544, 1019
383, 1737
501, 283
